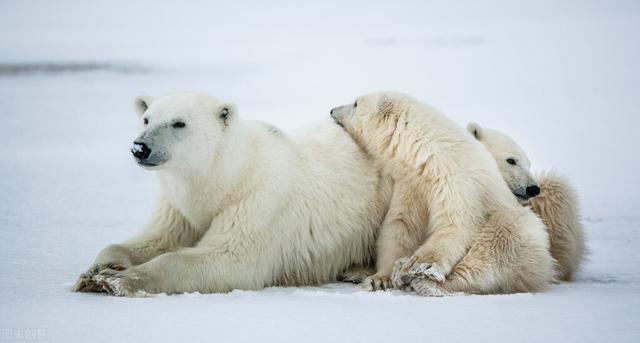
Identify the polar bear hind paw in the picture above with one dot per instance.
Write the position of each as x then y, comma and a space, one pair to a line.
355, 275
428, 288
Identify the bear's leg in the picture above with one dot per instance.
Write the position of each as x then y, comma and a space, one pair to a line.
198, 269
474, 274
510, 255
166, 231
399, 236
223, 260
456, 212
461, 280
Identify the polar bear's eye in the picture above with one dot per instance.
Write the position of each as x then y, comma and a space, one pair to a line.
355, 104
511, 161
178, 124
145, 121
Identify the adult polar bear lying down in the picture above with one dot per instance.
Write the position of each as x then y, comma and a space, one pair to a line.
243, 205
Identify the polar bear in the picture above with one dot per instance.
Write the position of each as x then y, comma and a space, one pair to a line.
450, 209
549, 195
243, 205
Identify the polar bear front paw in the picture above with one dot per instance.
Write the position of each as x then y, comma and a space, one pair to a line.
85, 284
428, 270
121, 284
405, 270
400, 278
376, 283
85, 281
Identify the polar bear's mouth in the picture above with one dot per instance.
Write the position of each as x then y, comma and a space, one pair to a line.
521, 198
335, 119
147, 163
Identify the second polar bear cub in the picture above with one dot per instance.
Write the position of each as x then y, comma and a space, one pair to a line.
549, 195
449, 197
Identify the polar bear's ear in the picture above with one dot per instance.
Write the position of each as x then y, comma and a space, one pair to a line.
141, 104
385, 107
475, 130
227, 113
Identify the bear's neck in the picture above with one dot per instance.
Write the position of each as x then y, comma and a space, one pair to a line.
211, 187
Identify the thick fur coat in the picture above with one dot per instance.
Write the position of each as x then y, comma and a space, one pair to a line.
243, 205
451, 212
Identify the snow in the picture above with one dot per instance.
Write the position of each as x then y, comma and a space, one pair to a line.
561, 77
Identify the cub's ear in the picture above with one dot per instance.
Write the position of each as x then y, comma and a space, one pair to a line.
142, 103
475, 130
227, 112
386, 107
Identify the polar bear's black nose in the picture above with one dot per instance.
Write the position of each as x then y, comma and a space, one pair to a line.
140, 150
533, 191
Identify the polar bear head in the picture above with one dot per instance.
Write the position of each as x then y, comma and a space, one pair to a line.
373, 119
180, 130
512, 161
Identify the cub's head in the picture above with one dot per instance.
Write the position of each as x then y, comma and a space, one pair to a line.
372, 119
180, 130
512, 161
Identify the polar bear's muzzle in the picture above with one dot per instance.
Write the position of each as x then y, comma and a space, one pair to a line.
333, 113
524, 194
338, 114
146, 156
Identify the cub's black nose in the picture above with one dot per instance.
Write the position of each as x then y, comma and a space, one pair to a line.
533, 191
140, 151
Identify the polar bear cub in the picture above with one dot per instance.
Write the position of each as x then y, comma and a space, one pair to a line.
242, 205
450, 209
549, 195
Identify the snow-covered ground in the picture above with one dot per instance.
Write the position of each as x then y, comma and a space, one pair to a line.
560, 76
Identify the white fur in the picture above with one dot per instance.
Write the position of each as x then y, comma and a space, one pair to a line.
503, 148
556, 205
450, 207
245, 206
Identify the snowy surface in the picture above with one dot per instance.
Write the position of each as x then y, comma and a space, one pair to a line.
560, 76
